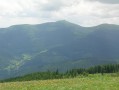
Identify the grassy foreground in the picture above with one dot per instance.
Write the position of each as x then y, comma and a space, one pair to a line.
91, 82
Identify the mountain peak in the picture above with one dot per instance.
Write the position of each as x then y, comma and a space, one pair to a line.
65, 22
62, 21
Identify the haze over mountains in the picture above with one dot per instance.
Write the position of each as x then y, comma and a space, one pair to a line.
56, 45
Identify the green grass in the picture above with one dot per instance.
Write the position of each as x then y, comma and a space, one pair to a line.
91, 82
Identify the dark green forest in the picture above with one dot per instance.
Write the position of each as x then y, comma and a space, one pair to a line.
102, 69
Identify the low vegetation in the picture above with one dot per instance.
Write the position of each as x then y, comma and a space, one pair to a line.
90, 82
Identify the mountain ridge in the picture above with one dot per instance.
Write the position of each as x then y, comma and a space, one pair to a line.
56, 45
60, 21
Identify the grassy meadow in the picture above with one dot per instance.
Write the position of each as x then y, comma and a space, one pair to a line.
90, 82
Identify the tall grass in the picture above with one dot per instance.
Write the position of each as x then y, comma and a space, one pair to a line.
90, 82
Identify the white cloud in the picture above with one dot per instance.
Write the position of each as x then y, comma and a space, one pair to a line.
83, 12
15, 8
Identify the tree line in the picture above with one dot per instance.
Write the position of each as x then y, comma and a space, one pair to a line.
110, 68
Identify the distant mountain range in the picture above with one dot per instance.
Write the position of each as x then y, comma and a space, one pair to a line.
56, 45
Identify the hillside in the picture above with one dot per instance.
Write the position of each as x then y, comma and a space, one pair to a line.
56, 45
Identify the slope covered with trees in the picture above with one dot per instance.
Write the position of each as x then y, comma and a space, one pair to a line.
56, 45
111, 68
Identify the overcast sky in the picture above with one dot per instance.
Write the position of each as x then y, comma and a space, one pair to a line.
82, 12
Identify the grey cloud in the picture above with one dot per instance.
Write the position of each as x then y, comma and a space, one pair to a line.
52, 5
108, 1
108, 11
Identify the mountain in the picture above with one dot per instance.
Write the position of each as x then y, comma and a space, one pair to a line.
56, 45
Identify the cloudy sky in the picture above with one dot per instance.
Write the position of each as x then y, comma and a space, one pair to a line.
82, 12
